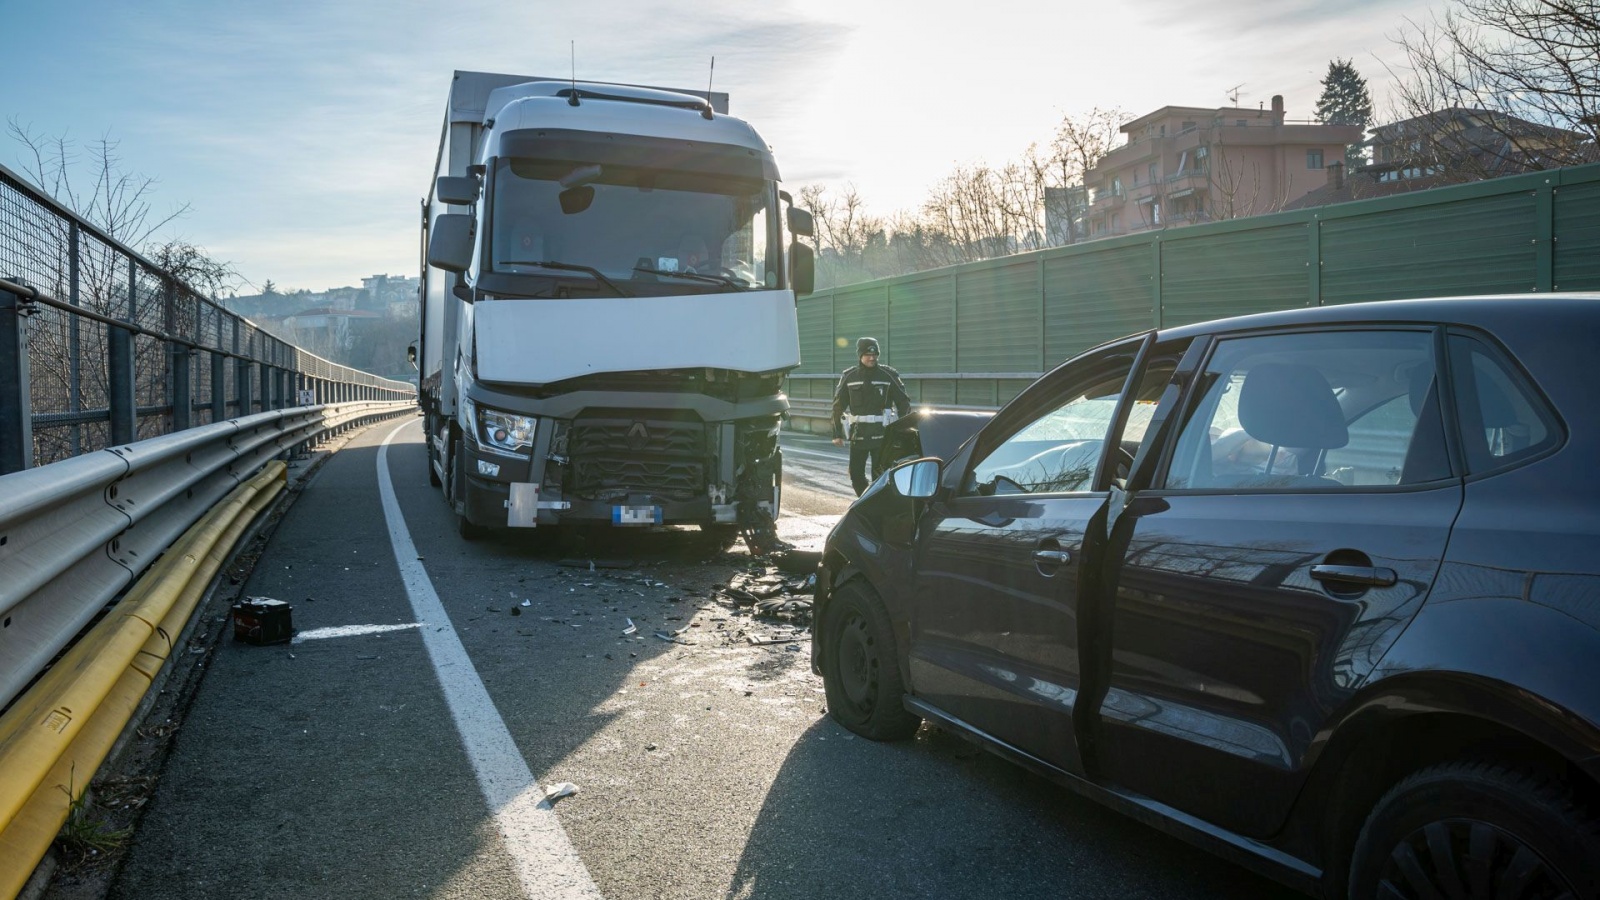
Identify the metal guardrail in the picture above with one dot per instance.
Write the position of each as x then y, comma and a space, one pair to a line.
100, 347
56, 736
75, 533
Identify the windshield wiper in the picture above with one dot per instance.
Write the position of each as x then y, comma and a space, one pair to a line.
713, 279
568, 267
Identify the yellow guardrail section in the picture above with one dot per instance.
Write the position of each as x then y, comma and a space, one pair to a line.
56, 735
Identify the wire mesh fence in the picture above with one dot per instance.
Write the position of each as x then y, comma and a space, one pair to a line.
99, 346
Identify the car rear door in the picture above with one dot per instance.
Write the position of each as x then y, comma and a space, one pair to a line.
1294, 527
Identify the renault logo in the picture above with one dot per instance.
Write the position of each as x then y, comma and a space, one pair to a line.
638, 436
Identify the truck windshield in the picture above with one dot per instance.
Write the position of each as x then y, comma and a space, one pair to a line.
646, 231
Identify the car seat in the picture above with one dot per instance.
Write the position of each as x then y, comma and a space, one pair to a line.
1291, 405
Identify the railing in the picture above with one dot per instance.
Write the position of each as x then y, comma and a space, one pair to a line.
73, 534
98, 345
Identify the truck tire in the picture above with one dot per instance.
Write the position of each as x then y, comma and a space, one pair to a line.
861, 666
720, 538
1478, 829
457, 481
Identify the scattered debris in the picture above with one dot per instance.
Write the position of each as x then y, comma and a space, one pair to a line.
631, 629
797, 562
672, 640
527, 602
558, 791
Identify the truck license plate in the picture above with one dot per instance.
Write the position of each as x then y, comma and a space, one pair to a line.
636, 515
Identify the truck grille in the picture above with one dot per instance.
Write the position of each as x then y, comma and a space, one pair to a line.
654, 456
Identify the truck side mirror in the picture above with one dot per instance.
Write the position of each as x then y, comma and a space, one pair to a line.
459, 190
802, 268
411, 354
450, 242
801, 222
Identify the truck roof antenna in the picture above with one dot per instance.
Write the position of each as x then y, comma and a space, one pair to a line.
572, 99
708, 85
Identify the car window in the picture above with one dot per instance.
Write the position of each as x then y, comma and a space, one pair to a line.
1058, 449
1502, 420
1328, 410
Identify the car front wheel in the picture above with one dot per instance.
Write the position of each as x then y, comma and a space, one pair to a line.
1478, 830
861, 669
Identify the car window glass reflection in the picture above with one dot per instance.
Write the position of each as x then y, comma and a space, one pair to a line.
1059, 451
1353, 409
1501, 421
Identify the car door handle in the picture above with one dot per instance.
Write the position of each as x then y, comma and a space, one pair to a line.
1052, 557
1368, 575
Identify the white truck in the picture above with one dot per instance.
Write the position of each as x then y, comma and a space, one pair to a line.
609, 283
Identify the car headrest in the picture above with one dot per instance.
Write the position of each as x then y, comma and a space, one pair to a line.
1289, 405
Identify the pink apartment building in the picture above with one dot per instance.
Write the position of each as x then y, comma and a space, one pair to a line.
1182, 165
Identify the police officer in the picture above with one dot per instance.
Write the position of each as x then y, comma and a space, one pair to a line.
866, 395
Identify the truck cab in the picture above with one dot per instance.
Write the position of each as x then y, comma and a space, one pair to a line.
609, 289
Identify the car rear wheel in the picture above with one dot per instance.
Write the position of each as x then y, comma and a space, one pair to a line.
1477, 830
861, 669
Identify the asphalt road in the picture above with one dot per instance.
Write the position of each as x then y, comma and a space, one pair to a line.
365, 763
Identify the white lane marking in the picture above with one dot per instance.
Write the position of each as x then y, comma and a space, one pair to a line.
317, 634
545, 860
837, 457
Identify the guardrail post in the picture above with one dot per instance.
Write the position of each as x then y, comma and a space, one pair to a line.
264, 373
119, 362
182, 389
241, 382
16, 394
219, 387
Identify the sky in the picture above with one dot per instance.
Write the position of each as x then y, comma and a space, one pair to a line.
302, 133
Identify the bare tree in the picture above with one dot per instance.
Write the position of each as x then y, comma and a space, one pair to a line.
846, 233
1498, 86
75, 264
1080, 142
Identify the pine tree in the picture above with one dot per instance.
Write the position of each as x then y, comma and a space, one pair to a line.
1345, 101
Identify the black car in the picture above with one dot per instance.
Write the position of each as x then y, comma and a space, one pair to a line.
1318, 590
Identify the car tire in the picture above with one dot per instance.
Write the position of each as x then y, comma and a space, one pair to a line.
861, 667
1477, 829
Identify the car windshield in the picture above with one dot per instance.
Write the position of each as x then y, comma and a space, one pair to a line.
644, 230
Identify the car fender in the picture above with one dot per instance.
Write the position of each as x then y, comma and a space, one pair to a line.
1457, 660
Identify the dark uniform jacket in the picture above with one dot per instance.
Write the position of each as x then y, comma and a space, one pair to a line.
867, 391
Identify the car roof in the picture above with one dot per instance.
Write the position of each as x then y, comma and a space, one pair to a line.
1495, 313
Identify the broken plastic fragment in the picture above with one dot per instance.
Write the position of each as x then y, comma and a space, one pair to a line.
631, 629
557, 791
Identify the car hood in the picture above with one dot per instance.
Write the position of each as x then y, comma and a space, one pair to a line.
940, 432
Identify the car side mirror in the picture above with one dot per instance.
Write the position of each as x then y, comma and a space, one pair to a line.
457, 190
918, 480
450, 242
802, 268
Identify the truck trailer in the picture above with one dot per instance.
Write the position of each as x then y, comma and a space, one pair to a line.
608, 309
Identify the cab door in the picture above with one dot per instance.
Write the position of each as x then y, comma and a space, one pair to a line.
994, 606
1294, 528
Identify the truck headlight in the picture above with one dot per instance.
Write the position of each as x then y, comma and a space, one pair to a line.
505, 431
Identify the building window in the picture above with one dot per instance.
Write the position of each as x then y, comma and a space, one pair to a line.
1314, 159
1187, 126
1242, 123
1116, 187
1152, 173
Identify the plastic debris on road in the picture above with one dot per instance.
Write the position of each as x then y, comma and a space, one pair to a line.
631, 629
558, 791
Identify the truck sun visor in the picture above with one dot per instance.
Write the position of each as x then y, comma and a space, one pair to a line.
639, 151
